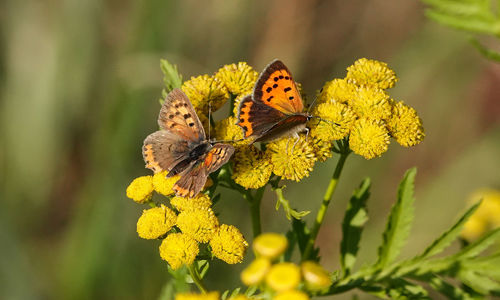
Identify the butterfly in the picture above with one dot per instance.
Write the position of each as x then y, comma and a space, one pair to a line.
181, 146
275, 108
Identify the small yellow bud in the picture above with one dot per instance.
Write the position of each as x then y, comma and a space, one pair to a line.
291, 295
256, 271
315, 276
270, 245
283, 277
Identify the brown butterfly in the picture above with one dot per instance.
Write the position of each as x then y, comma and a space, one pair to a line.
181, 147
275, 108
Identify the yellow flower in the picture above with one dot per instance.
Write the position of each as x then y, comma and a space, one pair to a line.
322, 149
371, 72
238, 78
203, 90
283, 277
371, 103
291, 295
239, 297
155, 222
341, 116
179, 249
227, 130
405, 126
252, 167
200, 201
162, 184
369, 138
338, 90
291, 162
315, 276
256, 271
489, 210
141, 189
193, 296
228, 244
270, 245
200, 224
474, 228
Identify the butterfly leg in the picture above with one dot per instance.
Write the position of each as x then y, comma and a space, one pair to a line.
307, 132
297, 138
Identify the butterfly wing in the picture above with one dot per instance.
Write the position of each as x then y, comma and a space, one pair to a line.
256, 118
194, 179
276, 88
162, 150
287, 126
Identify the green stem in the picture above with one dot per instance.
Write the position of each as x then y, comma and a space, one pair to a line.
195, 275
324, 205
254, 201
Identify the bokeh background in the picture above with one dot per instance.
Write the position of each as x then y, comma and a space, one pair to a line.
79, 89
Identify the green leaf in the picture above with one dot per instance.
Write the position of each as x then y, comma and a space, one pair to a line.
289, 211
486, 265
171, 78
471, 24
352, 226
479, 246
399, 221
402, 289
449, 236
302, 233
478, 283
488, 53
448, 290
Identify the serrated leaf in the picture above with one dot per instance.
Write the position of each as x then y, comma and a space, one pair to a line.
399, 221
292, 240
486, 265
478, 25
171, 78
456, 7
479, 246
478, 283
402, 289
302, 233
352, 226
289, 211
449, 236
488, 53
449, 290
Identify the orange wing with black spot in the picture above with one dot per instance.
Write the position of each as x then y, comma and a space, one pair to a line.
256, 118
276, 88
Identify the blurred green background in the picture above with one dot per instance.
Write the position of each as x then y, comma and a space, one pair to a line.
79, 89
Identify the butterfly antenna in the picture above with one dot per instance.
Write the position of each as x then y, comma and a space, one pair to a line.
209, 120
327, 121
312, 104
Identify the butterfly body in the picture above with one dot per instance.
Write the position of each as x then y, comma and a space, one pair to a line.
275, 107
181, 147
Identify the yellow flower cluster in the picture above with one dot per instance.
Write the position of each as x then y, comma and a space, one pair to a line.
283, 278
486, 217
358, 107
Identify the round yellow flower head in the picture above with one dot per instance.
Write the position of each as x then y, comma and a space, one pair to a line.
141, 189
238, 78
339, 90
203, 90
371, 72
239, 297
371, 103
200, 224
228, 244
315, 276
193, 296
227, 130
369, 138
474, 228
179, 249
341, 116
489, 210
405, 126
270, 245
289, 161
283, 277
162, 184
200, 201
155, 222
322, 149
256, 271
252, 167
237, 100
291, 295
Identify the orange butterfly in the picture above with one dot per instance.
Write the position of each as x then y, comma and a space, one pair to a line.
181, 147
276, 107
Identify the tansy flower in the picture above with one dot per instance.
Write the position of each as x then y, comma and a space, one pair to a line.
237, 101
405, 126
314, 275
289, 161
155, 222
474, 228
340, 116
162, 184
200, 224
283, 277
252, 167
339, 90
193, 296
200, 201
487, 215
256, 271
203, 90
270, 245
140, 189
228, 244
322, 149
291, 295
369, 138
178, 249
238, 78
371, 72
227, 130
371, 103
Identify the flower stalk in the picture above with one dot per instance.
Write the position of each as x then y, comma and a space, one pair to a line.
195, 275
